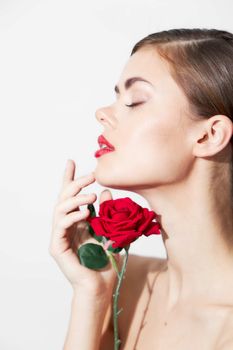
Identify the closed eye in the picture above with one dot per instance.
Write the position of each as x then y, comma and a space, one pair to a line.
134, 104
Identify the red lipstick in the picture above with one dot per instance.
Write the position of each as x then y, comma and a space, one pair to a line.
108, 147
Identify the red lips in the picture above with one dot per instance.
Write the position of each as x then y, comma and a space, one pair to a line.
103, 141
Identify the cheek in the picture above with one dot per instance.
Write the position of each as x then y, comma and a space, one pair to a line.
157, 153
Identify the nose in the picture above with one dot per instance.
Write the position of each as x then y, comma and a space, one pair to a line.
104, 115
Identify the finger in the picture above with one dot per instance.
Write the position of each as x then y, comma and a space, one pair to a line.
82, 234
73, 203
68, 220
105, 195
68, 173
74, 187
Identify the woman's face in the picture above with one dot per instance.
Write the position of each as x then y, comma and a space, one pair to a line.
152, 140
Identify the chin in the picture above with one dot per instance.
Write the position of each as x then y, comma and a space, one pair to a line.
106, 180
117, 181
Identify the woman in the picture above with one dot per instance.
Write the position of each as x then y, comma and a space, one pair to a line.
172, 133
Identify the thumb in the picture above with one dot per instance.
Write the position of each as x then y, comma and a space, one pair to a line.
105, 195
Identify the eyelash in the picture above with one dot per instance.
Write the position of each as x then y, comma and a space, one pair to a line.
134, 104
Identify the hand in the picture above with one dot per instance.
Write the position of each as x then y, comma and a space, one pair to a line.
69, 231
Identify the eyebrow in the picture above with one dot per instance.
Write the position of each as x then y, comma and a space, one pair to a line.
129, 82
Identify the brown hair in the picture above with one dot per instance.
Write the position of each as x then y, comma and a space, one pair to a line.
201, 63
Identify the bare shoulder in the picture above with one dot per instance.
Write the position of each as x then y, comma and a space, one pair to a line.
137, 269
134, 289
136, 274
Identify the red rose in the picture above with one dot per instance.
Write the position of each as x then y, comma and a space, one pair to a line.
123, 221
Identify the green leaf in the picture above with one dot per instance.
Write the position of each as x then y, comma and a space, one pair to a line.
92, 210
92, 233
92, 256
114, 250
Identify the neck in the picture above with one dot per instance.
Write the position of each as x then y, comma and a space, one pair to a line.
197, 231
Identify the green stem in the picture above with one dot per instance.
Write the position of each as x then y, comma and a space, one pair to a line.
115, 296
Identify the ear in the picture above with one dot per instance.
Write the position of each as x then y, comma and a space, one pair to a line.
214, 135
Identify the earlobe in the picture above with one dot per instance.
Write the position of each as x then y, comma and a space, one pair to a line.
215, 137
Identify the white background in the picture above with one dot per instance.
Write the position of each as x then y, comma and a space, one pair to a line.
59, 62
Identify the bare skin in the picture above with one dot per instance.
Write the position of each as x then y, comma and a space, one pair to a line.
181, 166
146, 323
177, 167
92, 290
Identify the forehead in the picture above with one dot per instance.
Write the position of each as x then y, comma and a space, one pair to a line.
148, 64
